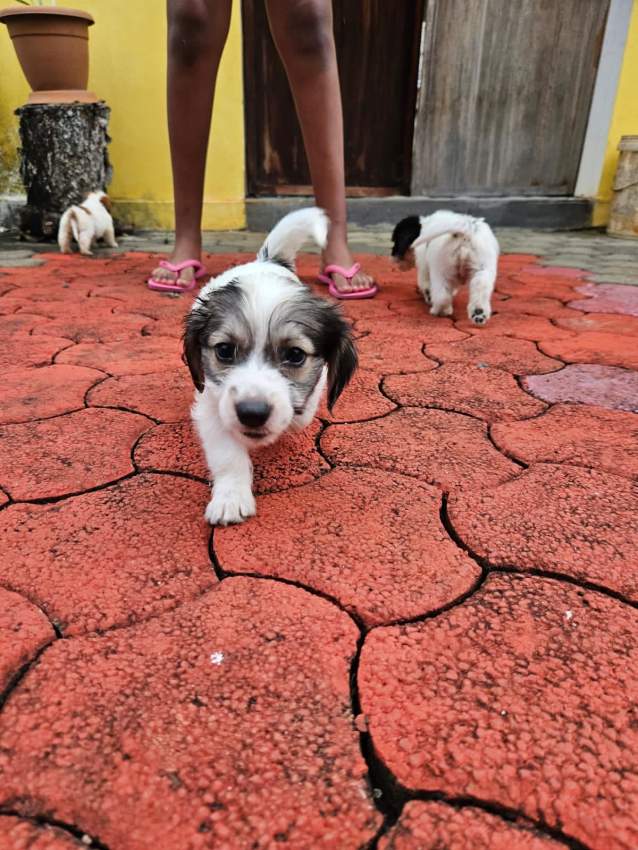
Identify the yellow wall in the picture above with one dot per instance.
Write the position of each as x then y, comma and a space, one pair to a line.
128, 70
624, 120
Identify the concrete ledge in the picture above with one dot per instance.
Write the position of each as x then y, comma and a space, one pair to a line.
543, 213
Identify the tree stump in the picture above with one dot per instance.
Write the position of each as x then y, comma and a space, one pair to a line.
64, 156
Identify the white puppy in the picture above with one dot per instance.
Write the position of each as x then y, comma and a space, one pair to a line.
261, 348
86, 223
449, 249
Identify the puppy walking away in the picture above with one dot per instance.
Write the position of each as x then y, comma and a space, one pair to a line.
261, 348
86, 223
449, 249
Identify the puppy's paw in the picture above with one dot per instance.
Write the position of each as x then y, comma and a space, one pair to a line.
426, 295
479, 315
442, 310
229, 506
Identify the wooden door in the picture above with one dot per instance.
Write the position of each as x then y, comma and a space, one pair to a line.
378, 53
505, 95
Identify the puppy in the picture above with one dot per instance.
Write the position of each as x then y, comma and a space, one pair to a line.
86, 223
449, 249
261, 348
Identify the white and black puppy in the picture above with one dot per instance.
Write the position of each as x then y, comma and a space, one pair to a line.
449, 249
86, 223
261, 348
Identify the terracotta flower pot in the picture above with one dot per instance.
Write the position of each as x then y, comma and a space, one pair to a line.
52, 45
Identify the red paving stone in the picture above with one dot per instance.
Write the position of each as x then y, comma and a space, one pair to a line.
524, 696
607, 298
518, 356
112, 557
17, 834
565, 519
489, 394
22, 349
132, 357
293, 461
438, 826
29, 394
219, 713
606, 349
165, 396
150, 730
575, 434
371, 540
78, 452
447, 449
606, 386
23, 631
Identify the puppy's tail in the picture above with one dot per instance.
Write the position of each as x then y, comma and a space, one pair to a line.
66, 231
287, 237
444, 222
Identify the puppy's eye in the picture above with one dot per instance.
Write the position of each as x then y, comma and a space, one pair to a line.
226, 352
294, 356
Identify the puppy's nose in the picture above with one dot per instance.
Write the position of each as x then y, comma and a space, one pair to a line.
253, 413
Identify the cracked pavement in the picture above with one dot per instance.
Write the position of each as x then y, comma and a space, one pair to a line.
426, 638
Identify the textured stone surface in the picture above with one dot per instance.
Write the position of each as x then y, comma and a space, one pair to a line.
292, 461
520, 326
29, 394
575, 434
446, 449
17, 834
23, 631
438, 826
111, 557
606, 386
524, 696
21, 349
166, 396
560, 518
78, 452
334, 535
490, 394
133, 357
607, 298
549, 308
90, 323
361, 400
149, 730
517, 356
602, 322
606, 349
384, 355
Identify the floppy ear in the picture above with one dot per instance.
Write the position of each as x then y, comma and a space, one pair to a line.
195, 326
106, 202
404, 235
342, 363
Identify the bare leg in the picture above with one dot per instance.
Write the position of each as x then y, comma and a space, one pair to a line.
197, 31
302, 30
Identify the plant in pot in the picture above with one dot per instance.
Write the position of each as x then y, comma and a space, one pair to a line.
52, 45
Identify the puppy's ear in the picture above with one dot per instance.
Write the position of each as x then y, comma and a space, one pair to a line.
342, 363
106, 202
195, 327
404, 234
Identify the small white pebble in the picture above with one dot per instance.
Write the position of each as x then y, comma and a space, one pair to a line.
503, 713
86, 839
569, 615
216, 657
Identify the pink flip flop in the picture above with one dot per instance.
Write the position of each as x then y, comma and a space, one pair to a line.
326, 279
168, 286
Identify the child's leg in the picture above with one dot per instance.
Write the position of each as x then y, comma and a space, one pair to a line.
197, 31
302, 30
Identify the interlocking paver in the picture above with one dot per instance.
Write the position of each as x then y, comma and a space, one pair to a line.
524, 696
199, 699
225, 724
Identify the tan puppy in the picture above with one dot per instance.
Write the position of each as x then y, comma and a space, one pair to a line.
86, 223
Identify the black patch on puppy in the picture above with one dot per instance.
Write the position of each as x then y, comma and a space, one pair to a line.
207, 317
264, 257
404, 234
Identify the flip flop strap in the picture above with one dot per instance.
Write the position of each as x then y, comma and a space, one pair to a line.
333, 268
176, 268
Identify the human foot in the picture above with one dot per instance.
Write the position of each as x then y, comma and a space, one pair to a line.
169, 273
337, 253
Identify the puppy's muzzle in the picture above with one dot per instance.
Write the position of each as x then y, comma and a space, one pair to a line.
253, 413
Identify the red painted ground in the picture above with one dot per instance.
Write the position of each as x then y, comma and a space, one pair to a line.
445, 571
